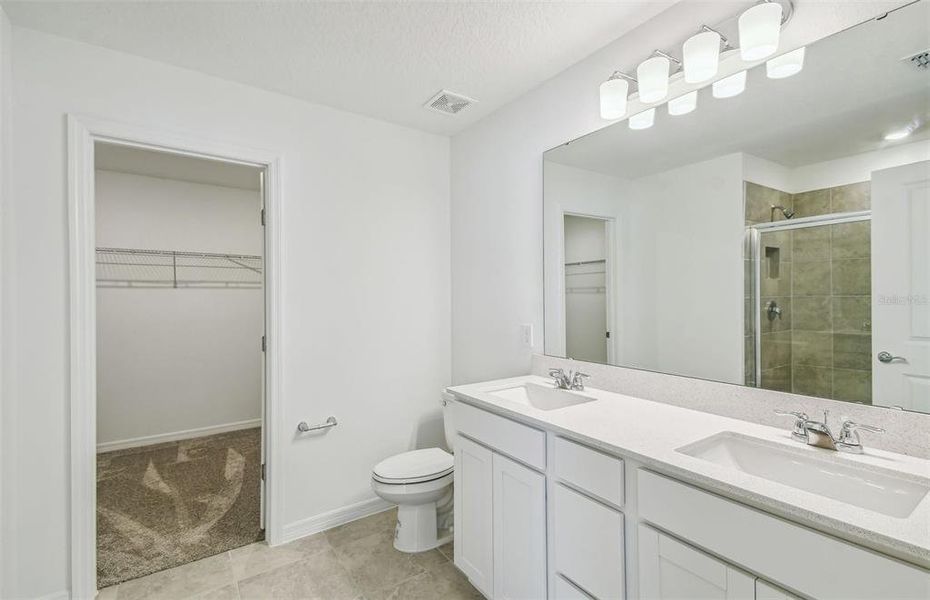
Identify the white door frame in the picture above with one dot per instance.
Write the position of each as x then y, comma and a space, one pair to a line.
83, 132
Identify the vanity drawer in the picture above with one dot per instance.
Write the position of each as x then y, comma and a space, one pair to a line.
516, 440
588, 543
815, 564
590, 470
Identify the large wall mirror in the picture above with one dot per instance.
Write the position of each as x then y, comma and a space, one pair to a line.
779, 238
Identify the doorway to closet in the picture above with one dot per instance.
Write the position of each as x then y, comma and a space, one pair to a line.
180, 320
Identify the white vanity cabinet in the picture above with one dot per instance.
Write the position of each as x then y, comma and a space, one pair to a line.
500, 505
543, 515
473, 539
669, 569
519, 524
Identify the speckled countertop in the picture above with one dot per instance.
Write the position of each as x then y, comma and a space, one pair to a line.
651, 432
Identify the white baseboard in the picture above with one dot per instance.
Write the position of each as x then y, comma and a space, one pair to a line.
333, 518
174, 436
62, 595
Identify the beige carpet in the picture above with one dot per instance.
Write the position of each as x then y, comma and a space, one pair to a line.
166, 505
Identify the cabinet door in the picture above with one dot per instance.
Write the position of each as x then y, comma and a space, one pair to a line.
671, 570
473, 541
519, 531
767, 591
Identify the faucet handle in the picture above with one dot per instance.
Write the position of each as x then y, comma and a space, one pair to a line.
848, 440
556, 372
799, 431
578, 380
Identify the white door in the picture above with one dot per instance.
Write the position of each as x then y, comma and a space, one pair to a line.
901, 287
519, 531
473, 497
671, 570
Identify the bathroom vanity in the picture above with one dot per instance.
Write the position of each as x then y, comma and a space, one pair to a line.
594, 494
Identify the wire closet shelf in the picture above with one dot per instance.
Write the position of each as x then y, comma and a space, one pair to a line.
132, 267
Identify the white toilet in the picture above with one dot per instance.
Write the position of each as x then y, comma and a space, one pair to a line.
420, 484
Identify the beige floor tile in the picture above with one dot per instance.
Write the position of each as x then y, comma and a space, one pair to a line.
228, 592
320, 576
448, 550
375, 565
445, 582
383, 521
181, 582
260, 557
108, 593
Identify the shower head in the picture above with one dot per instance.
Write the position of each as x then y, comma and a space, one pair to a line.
784, 211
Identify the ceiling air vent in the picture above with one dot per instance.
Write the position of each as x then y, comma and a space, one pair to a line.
448, 102
921, 60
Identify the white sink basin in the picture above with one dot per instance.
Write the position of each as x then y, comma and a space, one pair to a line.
871, 488
541, 397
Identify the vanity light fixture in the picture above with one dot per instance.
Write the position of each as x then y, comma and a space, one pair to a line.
730, 86
701, 55
759, 33
614, 96
785, 65
759, 30
652, 77
682, 105
643, 120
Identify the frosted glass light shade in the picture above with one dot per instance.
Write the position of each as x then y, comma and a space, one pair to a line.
759, 29
613, 98
682, 105
785, 65
643, 120
701, 56
730, 86
652, 78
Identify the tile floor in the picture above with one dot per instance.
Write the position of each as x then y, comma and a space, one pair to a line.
355, 561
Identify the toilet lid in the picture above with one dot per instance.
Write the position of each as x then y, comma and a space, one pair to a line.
417, 465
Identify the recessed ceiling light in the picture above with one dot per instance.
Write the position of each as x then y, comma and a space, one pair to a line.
897, 134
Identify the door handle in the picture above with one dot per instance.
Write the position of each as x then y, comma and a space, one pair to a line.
887, 357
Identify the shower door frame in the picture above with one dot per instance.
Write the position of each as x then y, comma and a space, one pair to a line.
755, 246
83, 133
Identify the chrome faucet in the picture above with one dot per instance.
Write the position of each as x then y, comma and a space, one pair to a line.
817, 433
573, 380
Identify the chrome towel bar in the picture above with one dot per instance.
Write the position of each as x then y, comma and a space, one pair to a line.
329, 422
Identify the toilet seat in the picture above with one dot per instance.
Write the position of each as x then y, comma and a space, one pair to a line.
416, 466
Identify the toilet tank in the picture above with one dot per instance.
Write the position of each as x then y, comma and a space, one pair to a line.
448, 423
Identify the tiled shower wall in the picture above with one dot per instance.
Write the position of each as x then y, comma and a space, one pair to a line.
820, 278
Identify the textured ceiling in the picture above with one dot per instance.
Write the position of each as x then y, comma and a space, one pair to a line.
381, 59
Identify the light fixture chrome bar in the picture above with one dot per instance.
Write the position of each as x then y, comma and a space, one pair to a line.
666, 55
621, 75
723, 39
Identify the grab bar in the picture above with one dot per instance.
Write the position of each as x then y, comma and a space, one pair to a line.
329, 422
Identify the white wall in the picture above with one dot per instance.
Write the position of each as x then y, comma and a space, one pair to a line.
688, 225
365, 282
174, 360
497, 180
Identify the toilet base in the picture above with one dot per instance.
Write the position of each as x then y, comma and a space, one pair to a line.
416, 529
